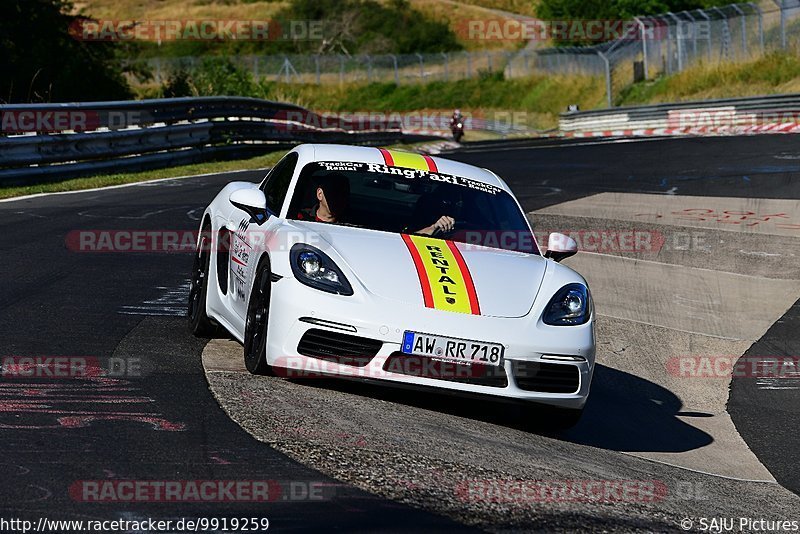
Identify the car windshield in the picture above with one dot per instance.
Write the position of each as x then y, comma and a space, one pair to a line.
410, 201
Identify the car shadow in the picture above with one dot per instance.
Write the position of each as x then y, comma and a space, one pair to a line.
628, 413
624, 412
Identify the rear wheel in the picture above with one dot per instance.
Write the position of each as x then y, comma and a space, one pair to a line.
255, 331
199, 323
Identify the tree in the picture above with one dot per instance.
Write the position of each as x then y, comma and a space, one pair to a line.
42, 62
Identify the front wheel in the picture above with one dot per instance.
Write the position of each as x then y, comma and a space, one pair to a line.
199, 323
255, 331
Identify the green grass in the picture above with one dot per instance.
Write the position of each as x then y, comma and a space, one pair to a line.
772, 74
541, 97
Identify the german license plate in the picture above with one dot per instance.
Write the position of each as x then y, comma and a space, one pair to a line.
452, 349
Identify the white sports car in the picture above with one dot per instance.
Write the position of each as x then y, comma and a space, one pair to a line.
380, 264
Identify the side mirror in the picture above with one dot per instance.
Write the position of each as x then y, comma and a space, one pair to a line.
251, 201
560, 246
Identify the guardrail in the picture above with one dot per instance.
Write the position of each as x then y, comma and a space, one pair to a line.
764, 113
40, 141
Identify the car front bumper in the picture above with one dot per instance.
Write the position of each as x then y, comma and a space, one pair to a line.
535, 354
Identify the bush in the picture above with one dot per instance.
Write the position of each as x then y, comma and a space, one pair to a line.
213, 77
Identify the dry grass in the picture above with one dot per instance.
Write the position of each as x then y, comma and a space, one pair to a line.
179, 9
454, 12
457, 14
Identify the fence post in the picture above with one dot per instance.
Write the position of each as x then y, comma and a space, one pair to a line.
642, 28
525, 61
396, 74
694, 33
669, 47
446, 67
780, 5
316, 69
760, 24
744, 28
469, 65
369, 68
608, 76
489, 61
678, 39
725, 32
421, 67
708, 34
341, 68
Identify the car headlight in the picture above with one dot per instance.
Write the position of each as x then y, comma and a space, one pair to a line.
314, 268
571, 306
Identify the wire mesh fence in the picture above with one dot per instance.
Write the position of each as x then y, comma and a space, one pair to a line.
670, 43
337, 68
663, 44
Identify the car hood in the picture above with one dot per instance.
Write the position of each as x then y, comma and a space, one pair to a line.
505, 283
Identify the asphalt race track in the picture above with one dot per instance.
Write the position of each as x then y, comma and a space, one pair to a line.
723, 282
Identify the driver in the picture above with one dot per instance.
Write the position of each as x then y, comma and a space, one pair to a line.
333, 200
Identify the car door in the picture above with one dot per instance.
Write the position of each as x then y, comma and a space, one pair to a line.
248, 237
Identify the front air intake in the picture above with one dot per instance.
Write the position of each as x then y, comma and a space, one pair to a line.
337, 347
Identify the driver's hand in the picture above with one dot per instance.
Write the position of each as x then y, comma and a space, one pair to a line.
444, 224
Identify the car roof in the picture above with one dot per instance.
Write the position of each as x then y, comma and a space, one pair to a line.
364, 154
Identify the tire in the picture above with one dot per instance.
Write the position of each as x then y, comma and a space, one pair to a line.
199, 323
255, 331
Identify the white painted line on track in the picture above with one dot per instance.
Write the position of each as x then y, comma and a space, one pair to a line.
726, 477
588, 143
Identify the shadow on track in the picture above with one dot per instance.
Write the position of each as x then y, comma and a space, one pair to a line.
624, 413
